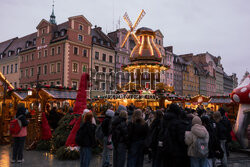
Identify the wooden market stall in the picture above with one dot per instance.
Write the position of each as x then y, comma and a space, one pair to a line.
224, 101
196, 101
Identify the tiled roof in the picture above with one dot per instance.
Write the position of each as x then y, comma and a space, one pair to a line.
4, 45
100, 35
61, 94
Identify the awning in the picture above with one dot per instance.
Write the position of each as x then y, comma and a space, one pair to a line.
220, 100
21, 94
61, 94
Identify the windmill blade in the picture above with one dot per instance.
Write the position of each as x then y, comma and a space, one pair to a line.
142, 14
126, 38
128, 21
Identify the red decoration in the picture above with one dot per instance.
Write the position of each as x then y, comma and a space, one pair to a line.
81, 98
71, 139
80, 105
45, 129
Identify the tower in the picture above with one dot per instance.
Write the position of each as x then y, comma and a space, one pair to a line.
52, 19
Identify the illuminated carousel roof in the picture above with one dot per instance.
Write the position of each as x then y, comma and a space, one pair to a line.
146, 51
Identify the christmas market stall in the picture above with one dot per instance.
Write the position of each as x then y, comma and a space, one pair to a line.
216, 102
196, 101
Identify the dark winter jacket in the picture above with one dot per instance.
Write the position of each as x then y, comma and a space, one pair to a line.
22, 116
119, 131
154, 130
137, 131
228, 127
221, 131
106, 126
85, 136
176, 129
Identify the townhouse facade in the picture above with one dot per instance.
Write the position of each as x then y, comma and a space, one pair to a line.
102, 63
58, 54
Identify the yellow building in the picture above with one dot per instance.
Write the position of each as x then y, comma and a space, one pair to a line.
190, 76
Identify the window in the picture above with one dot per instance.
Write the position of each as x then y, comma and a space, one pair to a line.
1, 56
58, 50
52, 83
45, 53
80, 37
103, 57
97, 55
74, 84
39, 55
110, 70
52, 51
21, 73
75, 50
11, 68
103, 85
58, 82
7, 71
32, 72
3, 69
45, 69
27, 58
111, 59
43, 40
97, 68
103, 69
84, 68
32, 56
75, 67
80, 27
52, 68
39, 70
58, 67
26, 72
15, 85
84, 52
43, 30
62, 33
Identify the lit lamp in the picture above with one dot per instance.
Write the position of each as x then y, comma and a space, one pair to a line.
29, 92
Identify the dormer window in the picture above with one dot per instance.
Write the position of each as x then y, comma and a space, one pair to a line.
9, 53
94, 39
18, 50
43, 31
101, 42
80, 37
1, 56
27, 44
108, 43
62, 33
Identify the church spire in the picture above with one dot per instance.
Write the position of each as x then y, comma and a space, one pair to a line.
52, 19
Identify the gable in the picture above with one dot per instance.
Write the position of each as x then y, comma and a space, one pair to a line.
43, 23
80, 18
159, 33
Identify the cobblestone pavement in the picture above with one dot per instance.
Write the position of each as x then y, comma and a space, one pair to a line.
42, 159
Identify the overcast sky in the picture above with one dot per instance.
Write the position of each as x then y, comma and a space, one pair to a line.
221, 27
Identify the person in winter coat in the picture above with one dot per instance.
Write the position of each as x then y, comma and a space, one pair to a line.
19, 139
154, 130
106, 129
171, 145
137, 132
215, 150
120, 139
222, 135
197, 131
85, 138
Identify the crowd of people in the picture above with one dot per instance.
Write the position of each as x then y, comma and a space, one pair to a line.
171, 137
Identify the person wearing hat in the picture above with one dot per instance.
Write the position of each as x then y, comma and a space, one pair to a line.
191, 137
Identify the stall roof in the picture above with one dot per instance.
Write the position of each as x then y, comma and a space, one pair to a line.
21, 94
61, 94
220, 99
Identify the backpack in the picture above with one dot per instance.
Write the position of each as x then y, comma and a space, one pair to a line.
201, 148
99, 133
15, 125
